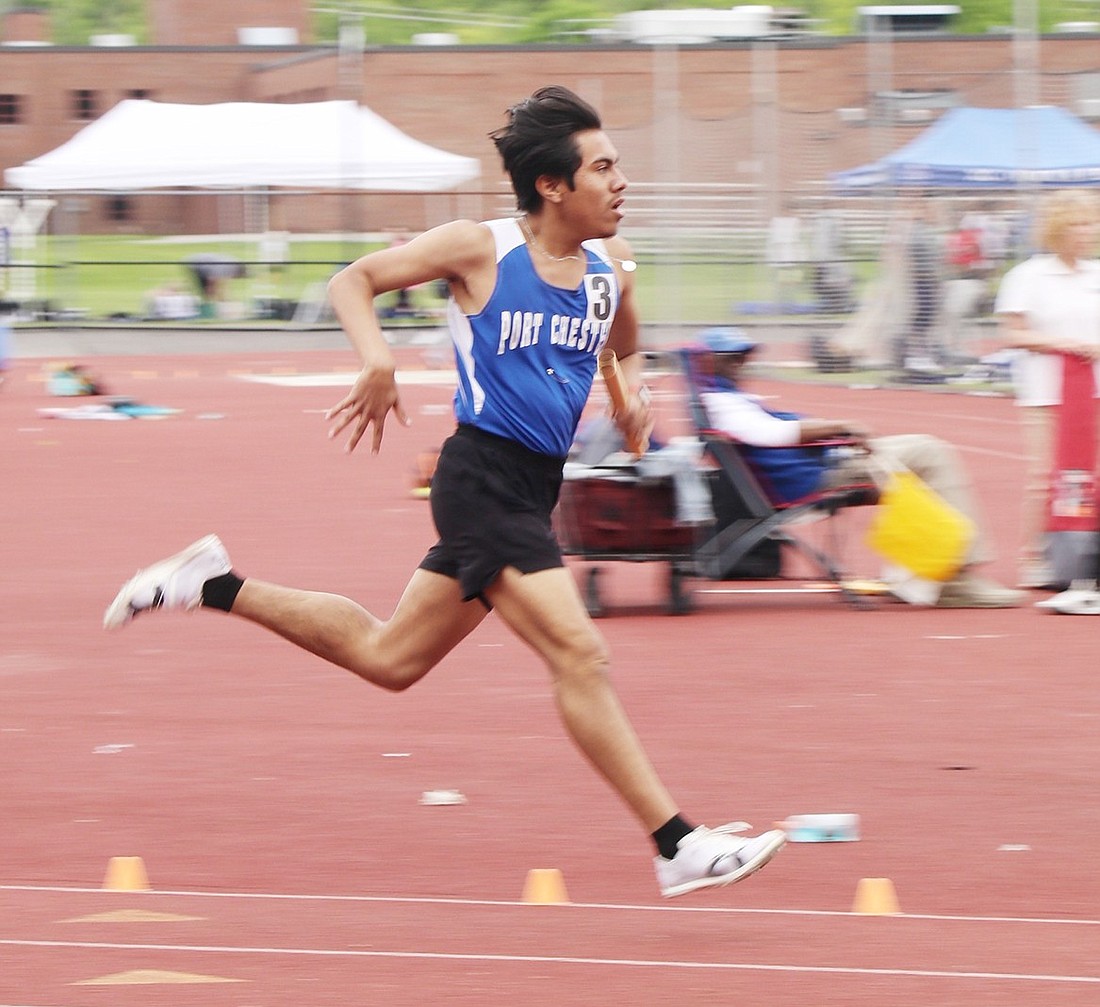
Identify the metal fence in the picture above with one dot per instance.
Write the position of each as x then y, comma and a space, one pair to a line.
706, 189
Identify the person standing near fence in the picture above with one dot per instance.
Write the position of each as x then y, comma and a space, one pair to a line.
923, 354
533, 301
7, 309
785, 255
1049, 309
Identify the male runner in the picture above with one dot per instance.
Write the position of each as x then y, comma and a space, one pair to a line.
533, 301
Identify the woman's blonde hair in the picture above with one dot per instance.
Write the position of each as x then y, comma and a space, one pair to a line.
1060, 210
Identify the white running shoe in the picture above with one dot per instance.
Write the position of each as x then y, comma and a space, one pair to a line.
1081, 598
709, 857
175, 582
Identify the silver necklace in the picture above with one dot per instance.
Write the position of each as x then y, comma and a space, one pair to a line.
628, 265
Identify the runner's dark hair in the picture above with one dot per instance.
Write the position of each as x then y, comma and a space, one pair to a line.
539, 139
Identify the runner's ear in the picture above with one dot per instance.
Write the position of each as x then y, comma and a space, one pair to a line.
550, 188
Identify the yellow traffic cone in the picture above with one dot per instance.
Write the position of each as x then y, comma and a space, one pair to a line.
876, 897
126, 874
545, 886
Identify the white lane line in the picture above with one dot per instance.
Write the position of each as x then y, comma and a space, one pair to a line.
807, 589
610, 906
560, 960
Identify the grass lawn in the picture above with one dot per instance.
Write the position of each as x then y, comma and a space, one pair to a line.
109, 276
113, 276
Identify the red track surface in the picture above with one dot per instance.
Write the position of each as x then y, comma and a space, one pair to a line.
274, 799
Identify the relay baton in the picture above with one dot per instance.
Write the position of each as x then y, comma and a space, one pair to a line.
619, 394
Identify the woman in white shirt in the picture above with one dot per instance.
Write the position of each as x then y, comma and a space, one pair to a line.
1049, 306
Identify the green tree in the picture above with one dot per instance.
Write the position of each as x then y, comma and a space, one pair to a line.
563, 20
499, 22
388, 24
74, 22
975, 17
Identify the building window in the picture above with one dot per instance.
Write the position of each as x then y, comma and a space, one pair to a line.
85, 105
120, 210
11, 109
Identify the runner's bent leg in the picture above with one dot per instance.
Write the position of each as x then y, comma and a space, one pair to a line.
546, 611
430, 619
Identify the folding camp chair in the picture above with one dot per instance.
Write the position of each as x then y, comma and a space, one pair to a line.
748, 517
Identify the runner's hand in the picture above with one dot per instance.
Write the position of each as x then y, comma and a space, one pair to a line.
368, 403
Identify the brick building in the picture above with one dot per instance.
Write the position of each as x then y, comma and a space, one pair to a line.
773, 115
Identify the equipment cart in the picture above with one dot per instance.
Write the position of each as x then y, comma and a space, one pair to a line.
613, 513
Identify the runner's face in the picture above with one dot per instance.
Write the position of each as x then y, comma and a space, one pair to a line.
597, 196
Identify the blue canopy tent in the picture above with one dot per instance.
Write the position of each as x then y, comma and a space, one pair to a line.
989, 148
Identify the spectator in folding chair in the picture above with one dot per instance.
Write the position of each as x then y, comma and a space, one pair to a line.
716, 363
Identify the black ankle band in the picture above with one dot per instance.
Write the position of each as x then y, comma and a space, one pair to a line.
669, 834
221, 592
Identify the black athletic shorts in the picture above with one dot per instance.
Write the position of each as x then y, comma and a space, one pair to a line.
491, 501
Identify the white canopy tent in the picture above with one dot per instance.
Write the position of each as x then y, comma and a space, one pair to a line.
142, 144
240, 146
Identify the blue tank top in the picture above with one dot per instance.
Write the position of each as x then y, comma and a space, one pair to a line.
527, 360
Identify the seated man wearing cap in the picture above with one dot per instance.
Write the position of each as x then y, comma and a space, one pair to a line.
786, 475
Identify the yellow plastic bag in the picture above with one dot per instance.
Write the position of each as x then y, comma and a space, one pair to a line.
915, 528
